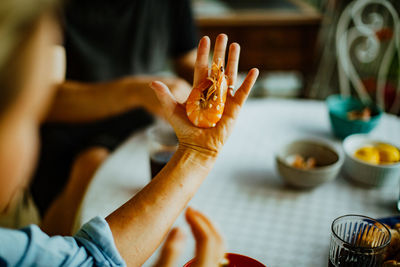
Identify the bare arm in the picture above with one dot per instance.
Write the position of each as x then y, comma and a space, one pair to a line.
83, 102
140, 225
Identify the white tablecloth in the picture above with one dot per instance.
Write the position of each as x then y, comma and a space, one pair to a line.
257, 214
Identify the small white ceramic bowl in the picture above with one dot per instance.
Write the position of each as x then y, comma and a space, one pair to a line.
329, 161
363, 172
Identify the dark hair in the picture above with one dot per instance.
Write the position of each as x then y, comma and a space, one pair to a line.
17, 20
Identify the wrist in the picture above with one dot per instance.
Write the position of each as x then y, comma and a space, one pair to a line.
132, 91
198, 152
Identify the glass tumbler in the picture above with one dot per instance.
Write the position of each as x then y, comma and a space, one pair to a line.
357, 241
162, 144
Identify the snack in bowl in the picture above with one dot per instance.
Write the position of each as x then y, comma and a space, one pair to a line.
301, 163
370, 161
363, 115
308, 163
368, 154
392, 256
388, 153
380, 153
349, 115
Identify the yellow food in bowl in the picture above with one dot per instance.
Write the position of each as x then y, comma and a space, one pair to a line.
378, 154
388, 153
369, 154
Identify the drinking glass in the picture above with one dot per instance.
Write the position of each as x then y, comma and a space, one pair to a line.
358, 240
162, 143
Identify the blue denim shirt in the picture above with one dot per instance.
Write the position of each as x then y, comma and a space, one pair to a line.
93, 245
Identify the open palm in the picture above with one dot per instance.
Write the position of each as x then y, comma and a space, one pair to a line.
209, 140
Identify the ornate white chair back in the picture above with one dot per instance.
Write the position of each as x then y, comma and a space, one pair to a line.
368, 34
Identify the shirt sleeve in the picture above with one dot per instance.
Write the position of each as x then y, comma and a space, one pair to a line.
184, 30
93, 245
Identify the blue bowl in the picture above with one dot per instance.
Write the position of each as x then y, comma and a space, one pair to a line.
342, 127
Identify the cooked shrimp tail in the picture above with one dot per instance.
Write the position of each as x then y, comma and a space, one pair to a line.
206, 102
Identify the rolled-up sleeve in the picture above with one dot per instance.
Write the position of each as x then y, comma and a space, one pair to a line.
93, 245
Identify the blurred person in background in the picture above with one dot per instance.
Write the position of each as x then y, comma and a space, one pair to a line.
114, 49
130, 234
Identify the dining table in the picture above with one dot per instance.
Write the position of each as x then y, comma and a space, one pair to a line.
244, 196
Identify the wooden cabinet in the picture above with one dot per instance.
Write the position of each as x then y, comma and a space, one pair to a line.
271, 39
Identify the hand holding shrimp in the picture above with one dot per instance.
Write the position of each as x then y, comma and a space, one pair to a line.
208, 140
146, 218
206, 102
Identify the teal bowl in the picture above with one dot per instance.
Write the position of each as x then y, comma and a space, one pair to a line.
342, 127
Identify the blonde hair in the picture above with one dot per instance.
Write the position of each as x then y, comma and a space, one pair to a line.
17, 19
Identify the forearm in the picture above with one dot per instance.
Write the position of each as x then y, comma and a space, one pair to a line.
140, 225
81, 102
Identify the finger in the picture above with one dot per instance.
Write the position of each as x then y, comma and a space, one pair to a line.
220, 48
165, 97
234, 103
201, 65
172, 249
244, 90
201, 217
232, 65
209, 243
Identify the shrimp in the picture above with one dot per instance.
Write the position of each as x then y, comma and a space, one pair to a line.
206, 102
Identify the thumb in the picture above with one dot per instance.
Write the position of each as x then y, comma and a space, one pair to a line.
164, 95
172, 249
210, 248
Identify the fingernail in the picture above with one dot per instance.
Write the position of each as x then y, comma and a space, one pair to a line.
178, 233
223, 35
189, 209
235, 44
153, 84
204, 39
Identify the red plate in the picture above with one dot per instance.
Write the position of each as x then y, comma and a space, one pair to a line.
236, 260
